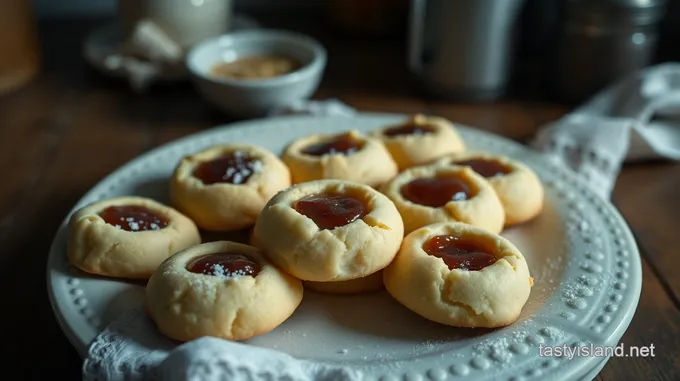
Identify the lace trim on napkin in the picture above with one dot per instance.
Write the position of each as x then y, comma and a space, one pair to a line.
129, 349
132, 349
618, 125
591, 147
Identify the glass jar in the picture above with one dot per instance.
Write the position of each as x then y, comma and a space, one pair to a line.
19, 49
602, 41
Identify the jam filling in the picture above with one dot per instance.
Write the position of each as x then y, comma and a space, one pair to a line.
484, 167
331, 210
235, 168
408, 129
436, 192
133, 218
225, 265
339, 145
458, 253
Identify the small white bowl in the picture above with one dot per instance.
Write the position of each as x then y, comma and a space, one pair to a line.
255, 97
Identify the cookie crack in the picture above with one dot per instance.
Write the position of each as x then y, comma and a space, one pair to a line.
294, 259
296, 255
111, 249
177, 303
109, 258
452, 210
171, 244
235, 322
342, 241
462, 305
446, 291
514, 268
374, 223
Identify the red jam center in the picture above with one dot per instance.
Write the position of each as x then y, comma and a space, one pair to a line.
340, 145
435, 192
486, 168
408, 129
225, 265
133, 218
329, 211
233, 169
458, 253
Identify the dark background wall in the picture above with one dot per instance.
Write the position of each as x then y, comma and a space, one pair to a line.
49, 8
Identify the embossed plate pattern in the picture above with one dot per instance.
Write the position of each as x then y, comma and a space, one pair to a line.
580, 251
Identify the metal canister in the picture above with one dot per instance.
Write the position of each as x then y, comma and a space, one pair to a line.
462, 49
601, 41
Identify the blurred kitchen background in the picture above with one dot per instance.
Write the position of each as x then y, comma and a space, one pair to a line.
562, 50
50, 8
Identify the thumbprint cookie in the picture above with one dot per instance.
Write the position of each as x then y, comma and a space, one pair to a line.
330, 230
516, 185
221, 289
349, 156
430, 194
459, 275
127, 237
420, 140
224, 188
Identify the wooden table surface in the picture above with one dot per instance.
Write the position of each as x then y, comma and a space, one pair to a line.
71, 127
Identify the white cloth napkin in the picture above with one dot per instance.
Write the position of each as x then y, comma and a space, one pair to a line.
636, 119
594, 141
148, 54
132, 349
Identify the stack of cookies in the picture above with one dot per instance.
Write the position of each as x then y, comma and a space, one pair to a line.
406, 208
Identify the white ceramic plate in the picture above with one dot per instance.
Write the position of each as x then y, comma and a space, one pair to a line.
580, 251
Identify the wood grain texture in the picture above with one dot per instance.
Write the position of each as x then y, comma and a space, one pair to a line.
656, 322
656, 229
71, 127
